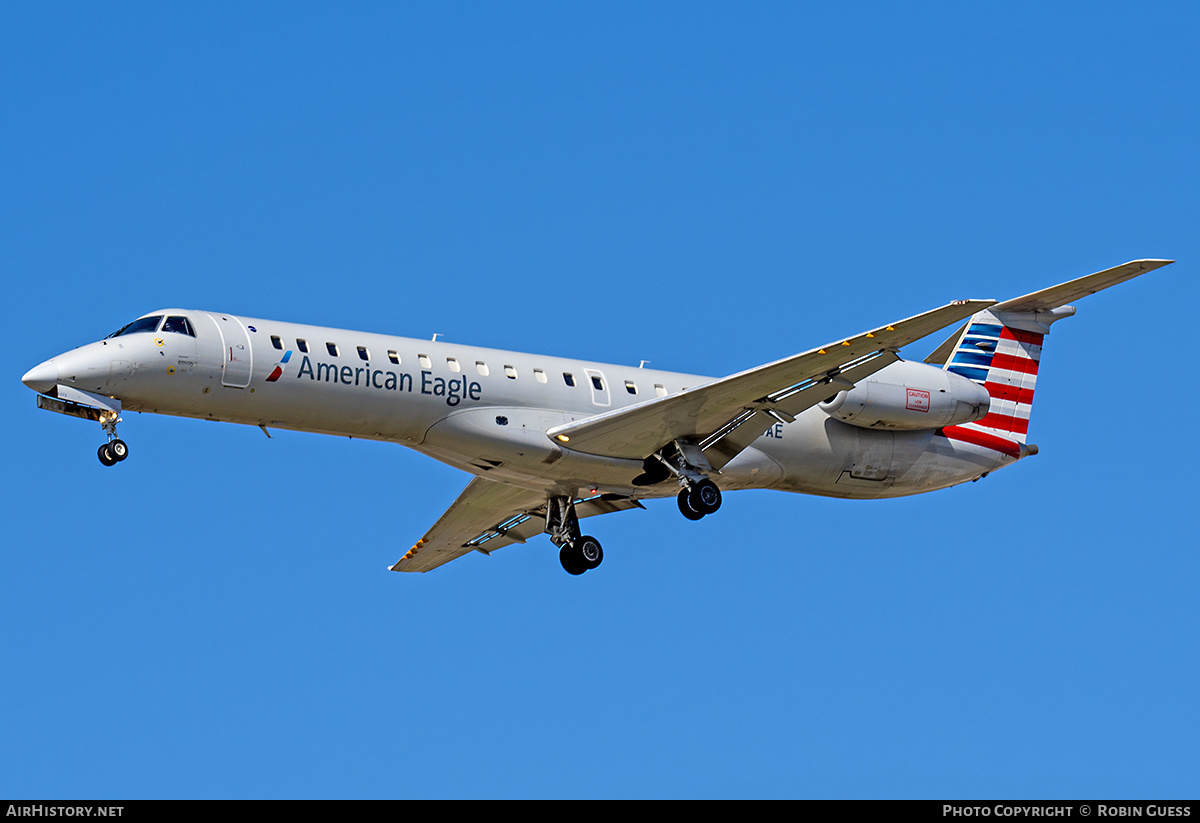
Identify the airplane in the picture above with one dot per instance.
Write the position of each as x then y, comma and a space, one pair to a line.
551, 440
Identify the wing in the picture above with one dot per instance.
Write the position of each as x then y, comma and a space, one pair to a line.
490, 515
727, 415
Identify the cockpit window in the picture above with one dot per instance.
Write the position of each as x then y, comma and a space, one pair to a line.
179, 325
139, 325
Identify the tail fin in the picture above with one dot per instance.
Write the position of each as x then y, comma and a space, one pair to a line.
1000, 348
1001, 352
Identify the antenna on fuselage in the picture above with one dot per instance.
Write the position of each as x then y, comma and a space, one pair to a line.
436, 335
642, 364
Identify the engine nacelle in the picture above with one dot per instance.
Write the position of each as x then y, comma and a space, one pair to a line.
909, 396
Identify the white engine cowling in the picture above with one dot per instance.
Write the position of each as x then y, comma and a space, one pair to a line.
909, 396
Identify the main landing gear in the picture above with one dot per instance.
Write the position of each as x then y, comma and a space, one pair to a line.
581, 555
699, 499
577, 552
698, 496
115, 450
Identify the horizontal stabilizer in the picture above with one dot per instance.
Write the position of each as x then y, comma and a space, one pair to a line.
1045, 302
1072, 290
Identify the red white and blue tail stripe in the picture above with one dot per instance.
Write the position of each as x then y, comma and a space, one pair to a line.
1001, 349
1004, 360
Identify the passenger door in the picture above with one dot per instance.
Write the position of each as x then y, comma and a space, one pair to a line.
238, 356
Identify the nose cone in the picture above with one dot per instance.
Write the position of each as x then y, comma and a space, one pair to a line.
42, 378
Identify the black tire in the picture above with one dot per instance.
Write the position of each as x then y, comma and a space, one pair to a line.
705, 497
571, 560
106, 456
685, 506
589, 551
118, 450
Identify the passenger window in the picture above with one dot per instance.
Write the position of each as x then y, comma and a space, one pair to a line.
453, 364
660, 389
332, 348
597, 382
568, 378
302, 345
275, 341
510, 372
630, 387
424, 360
179, 325
481, 367
539, 375
395, 358
363, 354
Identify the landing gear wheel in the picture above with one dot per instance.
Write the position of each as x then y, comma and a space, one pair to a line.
698, 500
106, 456
685, 506
118, 450
581, 555
571, 560
705, 497
589, 551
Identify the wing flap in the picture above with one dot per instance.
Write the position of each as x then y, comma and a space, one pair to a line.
785, 387
722, 446
487, 516
483, 507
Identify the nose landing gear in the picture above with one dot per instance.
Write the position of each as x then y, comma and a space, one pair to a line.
115, 450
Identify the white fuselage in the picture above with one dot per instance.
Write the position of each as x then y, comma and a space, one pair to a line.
487, 411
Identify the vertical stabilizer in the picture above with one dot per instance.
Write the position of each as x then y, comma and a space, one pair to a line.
1001, 349
1002, 352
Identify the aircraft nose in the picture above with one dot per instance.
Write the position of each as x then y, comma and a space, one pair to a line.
43, 377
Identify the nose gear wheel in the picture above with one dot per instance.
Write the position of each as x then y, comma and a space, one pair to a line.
115, 450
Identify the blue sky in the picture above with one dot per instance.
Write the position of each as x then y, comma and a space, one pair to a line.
704, 186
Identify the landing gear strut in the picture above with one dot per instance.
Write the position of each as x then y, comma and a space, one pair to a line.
577, 553
698, 495
115, 450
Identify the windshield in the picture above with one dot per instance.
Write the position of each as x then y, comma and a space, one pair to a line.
179, 325
141, 324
